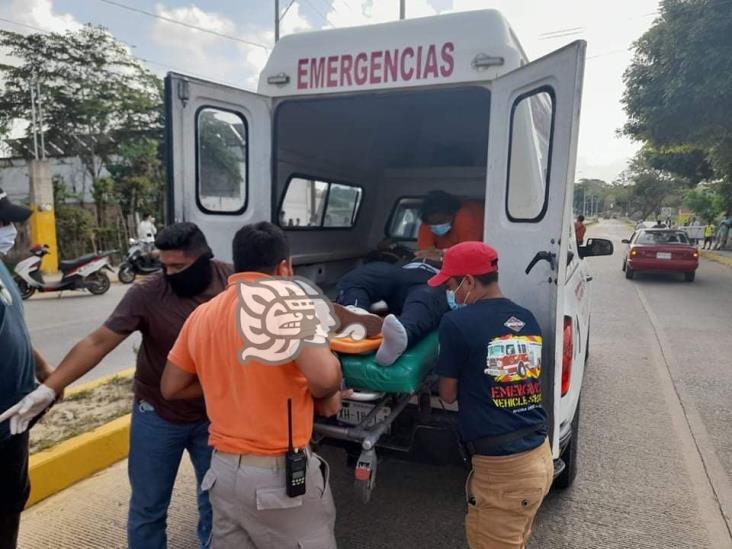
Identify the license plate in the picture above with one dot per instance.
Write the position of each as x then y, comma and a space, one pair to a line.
663, 255
353, 413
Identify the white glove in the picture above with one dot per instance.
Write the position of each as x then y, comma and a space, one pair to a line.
24, 411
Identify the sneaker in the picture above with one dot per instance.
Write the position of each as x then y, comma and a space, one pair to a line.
350, 314
394, 343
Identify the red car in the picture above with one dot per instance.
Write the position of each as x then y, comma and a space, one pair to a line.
660, 250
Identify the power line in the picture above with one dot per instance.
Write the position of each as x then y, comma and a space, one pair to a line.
184, 24
138, 58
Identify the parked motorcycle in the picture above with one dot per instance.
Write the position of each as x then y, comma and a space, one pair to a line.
83, 273
140, 260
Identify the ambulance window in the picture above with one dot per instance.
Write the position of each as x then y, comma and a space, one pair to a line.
404, 223
221, 161
532, 129
311, 203
304, 203
343, 203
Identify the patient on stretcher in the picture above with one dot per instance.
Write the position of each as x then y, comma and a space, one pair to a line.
415, 309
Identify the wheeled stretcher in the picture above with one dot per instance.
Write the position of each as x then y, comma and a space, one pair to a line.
388, 389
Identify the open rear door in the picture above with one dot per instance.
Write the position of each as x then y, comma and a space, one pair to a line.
532, 150
219, 150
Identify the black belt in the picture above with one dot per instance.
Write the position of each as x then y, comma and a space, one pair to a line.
487, 445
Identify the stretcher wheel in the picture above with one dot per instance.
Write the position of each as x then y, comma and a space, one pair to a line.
365, 475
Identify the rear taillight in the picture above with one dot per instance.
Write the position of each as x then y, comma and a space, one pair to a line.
633, 252
567, 353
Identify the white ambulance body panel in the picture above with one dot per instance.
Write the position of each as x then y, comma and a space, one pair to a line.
448, 49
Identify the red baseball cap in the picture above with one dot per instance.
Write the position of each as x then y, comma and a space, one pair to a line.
466, 258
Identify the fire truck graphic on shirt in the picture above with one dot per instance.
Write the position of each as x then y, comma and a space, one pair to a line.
513, 358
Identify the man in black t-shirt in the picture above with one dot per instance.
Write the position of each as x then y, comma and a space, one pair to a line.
490, 362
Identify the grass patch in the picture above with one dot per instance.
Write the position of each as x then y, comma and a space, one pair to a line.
82, 412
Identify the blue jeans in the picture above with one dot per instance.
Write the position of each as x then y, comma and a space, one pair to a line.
156, 448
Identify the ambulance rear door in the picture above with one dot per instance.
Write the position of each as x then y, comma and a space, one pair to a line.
532, 148
219, 157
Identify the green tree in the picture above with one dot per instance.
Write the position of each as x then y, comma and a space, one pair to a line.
678, 94
95, 95
650, 189
704, 202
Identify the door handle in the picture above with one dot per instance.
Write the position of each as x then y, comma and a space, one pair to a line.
588, 278
542, 256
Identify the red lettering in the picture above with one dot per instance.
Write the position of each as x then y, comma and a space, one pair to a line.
391, 64
317, 72
346, 66
419, 63
361, 69
332, 80
376, 66
430, 66
302, 71
406, 75
448, 63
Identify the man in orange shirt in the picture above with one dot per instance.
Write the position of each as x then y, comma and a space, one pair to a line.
446, 221
241, 352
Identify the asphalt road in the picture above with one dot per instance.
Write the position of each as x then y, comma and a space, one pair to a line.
655, 437
58, 322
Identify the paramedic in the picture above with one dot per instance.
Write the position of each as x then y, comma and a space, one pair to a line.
160, 430
20, 366
247, 405
500, 415
580, 229
447, 220
415, 308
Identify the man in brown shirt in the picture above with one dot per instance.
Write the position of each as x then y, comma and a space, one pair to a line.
161, 430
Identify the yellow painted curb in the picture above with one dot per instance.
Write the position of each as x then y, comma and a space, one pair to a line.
129, 372
78, 458
717, 257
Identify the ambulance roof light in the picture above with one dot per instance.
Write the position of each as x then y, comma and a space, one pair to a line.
279, 79
484, 61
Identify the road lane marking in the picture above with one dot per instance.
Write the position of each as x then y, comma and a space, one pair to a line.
705, 469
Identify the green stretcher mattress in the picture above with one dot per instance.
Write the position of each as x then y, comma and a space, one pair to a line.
404, 376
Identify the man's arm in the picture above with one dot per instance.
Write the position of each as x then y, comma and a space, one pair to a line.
177, 384
83, 357
448, 389
43, 370
322, 370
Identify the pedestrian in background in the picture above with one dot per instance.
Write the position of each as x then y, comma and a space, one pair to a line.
146, 230
20, 366
247, 403
708, 236
506, 437
723, 232
580, 229
160, 430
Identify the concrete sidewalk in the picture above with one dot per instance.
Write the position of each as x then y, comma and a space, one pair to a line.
93, 514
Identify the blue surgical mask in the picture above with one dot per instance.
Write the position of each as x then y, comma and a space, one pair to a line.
7, 238
441, 230
451, 300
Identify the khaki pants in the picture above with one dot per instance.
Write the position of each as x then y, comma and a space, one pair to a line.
251, 509
503, 495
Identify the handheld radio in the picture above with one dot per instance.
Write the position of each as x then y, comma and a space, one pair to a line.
296, 461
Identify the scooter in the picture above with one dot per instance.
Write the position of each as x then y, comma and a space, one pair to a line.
140, 260
83, 273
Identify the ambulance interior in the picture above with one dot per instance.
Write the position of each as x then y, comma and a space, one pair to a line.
352, 170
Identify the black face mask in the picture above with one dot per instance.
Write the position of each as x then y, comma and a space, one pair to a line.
192, 280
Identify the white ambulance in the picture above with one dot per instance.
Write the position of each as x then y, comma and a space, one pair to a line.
350, 128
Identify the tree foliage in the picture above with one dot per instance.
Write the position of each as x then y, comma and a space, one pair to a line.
678, 94
94, 94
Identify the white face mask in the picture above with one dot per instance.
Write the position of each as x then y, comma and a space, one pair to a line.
7, 238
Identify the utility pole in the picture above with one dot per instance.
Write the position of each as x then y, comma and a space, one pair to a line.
402, 9
277, 20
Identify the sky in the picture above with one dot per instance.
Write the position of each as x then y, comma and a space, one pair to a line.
610, 28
